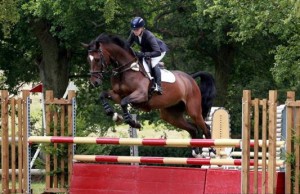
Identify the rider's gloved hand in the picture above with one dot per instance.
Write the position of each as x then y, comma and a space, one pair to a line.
140, 55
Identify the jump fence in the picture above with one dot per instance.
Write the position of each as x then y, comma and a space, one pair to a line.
259, 118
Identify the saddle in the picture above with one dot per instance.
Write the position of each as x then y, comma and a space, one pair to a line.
161, 65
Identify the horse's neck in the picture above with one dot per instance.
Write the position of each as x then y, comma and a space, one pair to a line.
120, 55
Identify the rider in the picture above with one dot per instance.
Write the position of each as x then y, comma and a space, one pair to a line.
151, 47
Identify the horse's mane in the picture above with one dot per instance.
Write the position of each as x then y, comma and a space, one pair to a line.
105, 38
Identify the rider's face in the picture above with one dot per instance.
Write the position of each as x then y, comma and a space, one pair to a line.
137, 31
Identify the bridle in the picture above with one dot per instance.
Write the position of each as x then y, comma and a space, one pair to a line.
102, 63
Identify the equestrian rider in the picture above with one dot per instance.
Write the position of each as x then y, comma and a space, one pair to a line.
151, 48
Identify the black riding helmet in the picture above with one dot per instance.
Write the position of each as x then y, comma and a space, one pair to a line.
137, 22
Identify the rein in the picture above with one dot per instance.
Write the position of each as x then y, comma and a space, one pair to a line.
123, 68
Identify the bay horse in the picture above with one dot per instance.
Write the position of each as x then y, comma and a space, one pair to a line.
130, 85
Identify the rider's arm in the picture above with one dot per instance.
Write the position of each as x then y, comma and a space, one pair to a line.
152, 42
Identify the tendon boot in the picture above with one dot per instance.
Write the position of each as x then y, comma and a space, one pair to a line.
157, 79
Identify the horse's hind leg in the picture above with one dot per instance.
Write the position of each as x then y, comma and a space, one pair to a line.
193, 109
175, 116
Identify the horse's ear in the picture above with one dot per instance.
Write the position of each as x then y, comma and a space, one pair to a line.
84, 45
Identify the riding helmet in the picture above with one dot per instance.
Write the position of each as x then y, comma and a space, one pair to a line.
137, 22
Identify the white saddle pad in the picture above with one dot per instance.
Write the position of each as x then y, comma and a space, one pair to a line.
166, 76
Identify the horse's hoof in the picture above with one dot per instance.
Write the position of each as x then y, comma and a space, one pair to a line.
212, 150
196, 153
207, 136
134, 124
138, 125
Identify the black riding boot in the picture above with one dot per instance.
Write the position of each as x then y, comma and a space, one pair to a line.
157, 78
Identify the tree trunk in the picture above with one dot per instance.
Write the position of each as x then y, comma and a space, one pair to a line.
54, 70
223, 63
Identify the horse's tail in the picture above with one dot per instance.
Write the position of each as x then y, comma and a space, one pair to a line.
208, 91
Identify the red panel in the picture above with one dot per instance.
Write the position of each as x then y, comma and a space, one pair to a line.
280, 182
123, 179
229, 181
223, 181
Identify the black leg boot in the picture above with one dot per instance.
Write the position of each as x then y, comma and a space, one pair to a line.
153, 81
157, 78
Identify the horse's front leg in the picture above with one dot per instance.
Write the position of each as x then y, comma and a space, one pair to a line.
136, 97
128, 118
109, 110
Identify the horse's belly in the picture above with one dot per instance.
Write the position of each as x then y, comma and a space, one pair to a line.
142, 106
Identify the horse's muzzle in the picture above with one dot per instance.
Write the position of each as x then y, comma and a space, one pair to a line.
96, 79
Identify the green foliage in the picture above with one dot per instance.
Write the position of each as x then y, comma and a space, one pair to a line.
287, 64
9, 15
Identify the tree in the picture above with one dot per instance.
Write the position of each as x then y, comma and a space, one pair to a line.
47, 34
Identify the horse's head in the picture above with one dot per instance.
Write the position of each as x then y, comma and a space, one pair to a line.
97, 61
105, 50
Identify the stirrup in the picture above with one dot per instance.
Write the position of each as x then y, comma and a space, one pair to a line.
157, 89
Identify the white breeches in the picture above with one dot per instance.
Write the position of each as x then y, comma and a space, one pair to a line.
155, 60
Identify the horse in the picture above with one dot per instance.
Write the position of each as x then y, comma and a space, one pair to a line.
130, 85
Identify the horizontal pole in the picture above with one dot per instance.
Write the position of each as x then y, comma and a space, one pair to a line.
239, 154
10, 139
144, 141
32, 171
165, 160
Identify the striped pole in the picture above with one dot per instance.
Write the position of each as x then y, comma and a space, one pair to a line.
165, 160
144, 141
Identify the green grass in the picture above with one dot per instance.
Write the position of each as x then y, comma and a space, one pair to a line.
148, 131
37, 187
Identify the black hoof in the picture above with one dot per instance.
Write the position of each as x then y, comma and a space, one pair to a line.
197, 153
133, 123
212, 150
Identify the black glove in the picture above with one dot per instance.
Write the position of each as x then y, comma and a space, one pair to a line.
140, 55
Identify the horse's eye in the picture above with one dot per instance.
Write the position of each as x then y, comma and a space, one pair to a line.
97, 59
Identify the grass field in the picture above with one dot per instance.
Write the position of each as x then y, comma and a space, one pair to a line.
148, 131
37, 187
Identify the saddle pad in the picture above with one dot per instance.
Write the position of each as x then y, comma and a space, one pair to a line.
166, 76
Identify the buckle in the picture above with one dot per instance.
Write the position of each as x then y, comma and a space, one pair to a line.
114, 73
